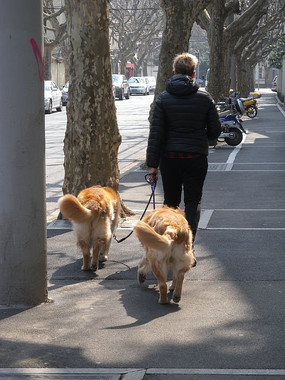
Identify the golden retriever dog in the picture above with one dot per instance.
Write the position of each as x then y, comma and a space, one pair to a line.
95, 216
167, 240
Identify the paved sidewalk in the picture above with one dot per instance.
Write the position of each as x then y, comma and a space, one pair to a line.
230, 321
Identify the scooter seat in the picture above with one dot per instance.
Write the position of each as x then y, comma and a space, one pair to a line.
224, 113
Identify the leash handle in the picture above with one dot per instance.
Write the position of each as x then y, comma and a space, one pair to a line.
151, 178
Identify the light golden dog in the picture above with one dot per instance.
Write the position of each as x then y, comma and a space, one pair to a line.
95, 216
167, 239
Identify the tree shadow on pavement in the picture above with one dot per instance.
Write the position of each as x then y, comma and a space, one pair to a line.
27, 354
139, 301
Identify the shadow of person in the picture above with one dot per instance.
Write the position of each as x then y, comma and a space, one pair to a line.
139, 301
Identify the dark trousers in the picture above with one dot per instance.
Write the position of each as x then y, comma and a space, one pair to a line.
187, 174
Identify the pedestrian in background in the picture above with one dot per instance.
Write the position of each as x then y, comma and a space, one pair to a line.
184, 119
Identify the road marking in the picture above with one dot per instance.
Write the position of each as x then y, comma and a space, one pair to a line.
206, 371
138, 373
280, 109
257, 170
249, 209
232, 157
205, 218
245, 229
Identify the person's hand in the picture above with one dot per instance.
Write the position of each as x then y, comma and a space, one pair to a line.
153, 172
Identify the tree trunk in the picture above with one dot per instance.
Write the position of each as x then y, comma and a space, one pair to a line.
47, 61
180, 16
217, 53
175, 38
92, 136
145, 68
225, 75
244, 77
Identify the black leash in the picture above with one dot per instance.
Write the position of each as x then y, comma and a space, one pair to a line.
151, 179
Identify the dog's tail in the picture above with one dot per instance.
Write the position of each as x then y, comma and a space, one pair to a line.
149, 237
72, 209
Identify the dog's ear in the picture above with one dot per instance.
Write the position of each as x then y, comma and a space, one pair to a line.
185, 236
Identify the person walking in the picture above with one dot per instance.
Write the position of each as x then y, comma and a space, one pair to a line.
184, 119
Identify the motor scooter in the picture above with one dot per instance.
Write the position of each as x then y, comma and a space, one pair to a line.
234, 104
232, 129
250, 104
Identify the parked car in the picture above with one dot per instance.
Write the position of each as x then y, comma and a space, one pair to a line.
151, 81
120, 86
64, 93
138, 85
274, 84
199, 81
52, 97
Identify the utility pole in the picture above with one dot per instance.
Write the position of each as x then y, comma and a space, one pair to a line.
23, 267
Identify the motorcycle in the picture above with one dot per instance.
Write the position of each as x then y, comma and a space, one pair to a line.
250, 104
232, 129
234, 104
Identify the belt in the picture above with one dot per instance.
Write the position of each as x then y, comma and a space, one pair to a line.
181, 155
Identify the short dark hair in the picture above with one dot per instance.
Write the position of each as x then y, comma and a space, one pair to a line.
185, 63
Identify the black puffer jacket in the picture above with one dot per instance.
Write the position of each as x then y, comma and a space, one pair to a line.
184, 119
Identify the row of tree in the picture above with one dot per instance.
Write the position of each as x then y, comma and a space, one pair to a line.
240, 33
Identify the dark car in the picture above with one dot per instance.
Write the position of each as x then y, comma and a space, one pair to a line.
120, 86
64, 93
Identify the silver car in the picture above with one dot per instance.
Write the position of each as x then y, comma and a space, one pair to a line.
53, 98
138, 85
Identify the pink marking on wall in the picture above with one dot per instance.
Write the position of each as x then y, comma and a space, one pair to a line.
39, 59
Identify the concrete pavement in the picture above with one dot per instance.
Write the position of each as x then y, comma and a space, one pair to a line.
230, 321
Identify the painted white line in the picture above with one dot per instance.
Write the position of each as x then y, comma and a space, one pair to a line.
198, 371
244, 229
232, 156
82, 371
249, 209
136, 374
251, 163
139, 373
205, 218
280, 109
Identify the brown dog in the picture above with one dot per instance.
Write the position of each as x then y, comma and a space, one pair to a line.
95, 216
167, 239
